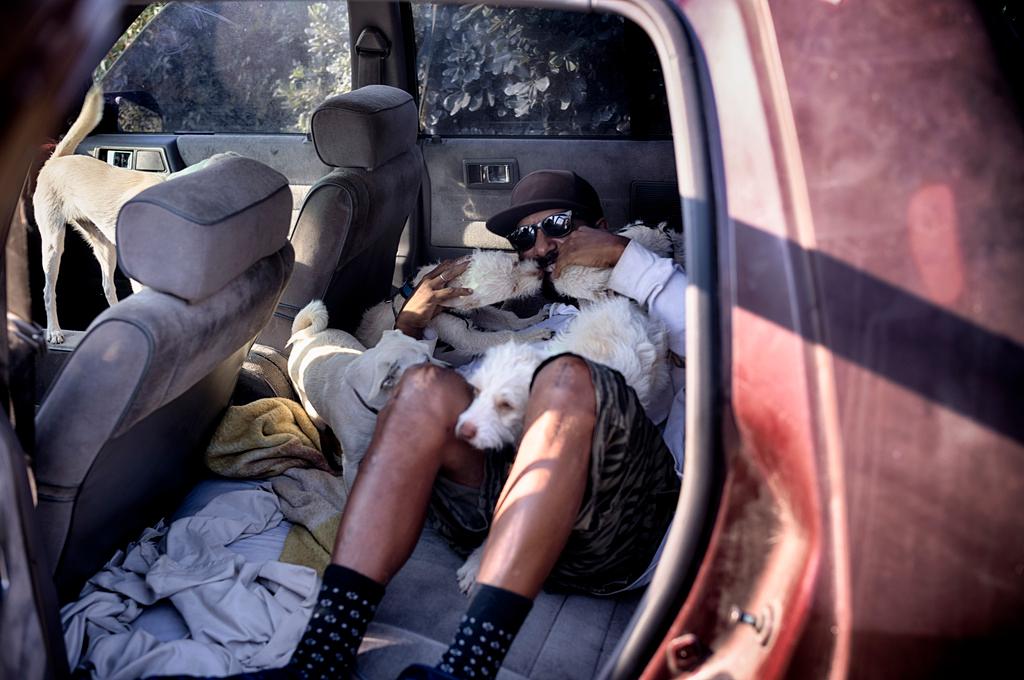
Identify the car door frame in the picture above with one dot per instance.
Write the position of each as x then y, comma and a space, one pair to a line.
46, 85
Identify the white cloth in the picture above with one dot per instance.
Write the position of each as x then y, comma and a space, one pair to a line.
240, 615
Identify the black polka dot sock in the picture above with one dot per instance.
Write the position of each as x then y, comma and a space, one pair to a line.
485, 633
328, 648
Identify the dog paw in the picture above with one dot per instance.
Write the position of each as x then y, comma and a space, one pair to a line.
468, 571
535, 335
55, 336
536, 318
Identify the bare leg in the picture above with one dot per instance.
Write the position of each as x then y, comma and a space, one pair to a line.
413, 441
544, 491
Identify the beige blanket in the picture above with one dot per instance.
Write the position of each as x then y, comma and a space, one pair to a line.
274, 438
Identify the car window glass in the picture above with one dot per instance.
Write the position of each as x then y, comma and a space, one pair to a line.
228, 66
499, 71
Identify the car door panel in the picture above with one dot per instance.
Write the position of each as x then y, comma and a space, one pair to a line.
135, 152
294, 156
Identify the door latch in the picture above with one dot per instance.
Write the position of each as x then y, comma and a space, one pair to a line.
685, 653
763, 624
490, 174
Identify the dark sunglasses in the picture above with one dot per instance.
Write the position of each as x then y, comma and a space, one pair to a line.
554, 226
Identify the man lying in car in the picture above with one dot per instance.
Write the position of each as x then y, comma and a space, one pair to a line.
583, 503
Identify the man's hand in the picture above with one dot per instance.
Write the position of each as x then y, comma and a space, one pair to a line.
426, 300
589, 247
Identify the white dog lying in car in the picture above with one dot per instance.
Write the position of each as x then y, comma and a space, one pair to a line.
472, 325
612, 331
342, 384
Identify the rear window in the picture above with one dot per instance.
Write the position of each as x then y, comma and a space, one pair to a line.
487, 71
228, 66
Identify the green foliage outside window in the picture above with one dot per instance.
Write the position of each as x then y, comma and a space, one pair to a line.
264, 66
486, 70
228, 66
328, 67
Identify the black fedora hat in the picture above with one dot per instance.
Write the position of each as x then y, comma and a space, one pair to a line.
544, 190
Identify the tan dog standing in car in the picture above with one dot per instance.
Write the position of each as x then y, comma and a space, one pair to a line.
88, 194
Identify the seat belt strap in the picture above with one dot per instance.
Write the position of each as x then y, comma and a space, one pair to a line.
372, 49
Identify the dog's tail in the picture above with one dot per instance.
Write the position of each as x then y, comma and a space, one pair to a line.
310, 321
88, 119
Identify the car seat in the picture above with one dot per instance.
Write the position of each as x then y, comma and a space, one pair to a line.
121, 432
348, 229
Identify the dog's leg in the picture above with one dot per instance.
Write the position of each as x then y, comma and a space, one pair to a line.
533, 335
105, 253
462, 336
51, 232
492, 318
528, 321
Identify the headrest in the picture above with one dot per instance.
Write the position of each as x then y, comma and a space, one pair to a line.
191, 235
364, 128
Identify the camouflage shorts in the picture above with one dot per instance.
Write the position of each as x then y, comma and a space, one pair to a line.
627, 507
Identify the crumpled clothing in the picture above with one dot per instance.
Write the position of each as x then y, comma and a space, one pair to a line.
240, 615
313, 501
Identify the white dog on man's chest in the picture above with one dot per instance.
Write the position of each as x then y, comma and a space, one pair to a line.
469, 323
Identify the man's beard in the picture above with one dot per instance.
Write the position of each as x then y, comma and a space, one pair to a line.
547, 260
549, 293
547, 287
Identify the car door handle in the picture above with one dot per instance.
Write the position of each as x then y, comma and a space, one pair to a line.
490, 174
144, 159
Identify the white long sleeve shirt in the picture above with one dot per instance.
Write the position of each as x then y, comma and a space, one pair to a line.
659, 284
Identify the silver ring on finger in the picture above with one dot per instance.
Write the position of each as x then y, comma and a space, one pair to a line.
442, 278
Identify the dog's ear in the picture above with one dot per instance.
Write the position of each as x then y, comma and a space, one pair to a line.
366, 374
389, 379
